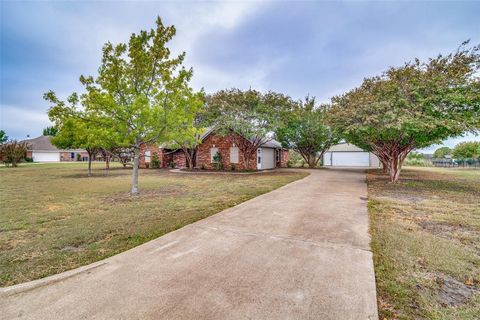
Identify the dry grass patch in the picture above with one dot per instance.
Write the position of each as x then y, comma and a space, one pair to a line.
425, 239
54, 218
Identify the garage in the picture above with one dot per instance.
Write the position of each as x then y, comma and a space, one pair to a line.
45, 156
265, 158
349, 155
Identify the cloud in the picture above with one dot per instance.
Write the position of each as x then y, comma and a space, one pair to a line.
298, 48
18, 122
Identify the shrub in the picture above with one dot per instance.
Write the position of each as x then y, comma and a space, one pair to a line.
289, 164
233, 166
417, 160
28, 159
203, 167
13, 152
155, 161
217, 161
79, 157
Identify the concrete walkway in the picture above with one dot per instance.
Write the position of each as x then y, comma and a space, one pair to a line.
299, 252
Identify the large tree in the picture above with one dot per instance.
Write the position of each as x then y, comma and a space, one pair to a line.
413, 106
77, 128
304, 129
442, 153
189, 127
138, 90
467, 150
248, 117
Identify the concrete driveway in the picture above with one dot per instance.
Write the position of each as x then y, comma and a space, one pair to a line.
299, 252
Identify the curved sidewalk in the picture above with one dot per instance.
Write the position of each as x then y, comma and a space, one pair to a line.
299, 252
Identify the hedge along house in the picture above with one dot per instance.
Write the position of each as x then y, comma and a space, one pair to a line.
41, 149
268, 155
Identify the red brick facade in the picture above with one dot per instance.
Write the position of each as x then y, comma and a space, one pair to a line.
223, 144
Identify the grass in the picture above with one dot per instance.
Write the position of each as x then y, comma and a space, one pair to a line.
426, 243
54, 218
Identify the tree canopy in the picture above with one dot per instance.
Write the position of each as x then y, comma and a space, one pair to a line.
412, 106
467, 150
249, 117
304, 129
140, 92
50, 131
3, 137
442, 152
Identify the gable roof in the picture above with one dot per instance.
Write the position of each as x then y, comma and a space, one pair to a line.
269, 143
43, 143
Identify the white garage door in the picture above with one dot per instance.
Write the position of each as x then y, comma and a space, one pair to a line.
351, 159
268, 158
46, 156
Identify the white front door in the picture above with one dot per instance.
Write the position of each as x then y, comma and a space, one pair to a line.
259, 158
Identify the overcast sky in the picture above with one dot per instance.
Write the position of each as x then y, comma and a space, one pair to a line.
297, 48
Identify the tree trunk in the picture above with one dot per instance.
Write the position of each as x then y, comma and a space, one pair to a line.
394, 166
136, 162
90, 154
107, 160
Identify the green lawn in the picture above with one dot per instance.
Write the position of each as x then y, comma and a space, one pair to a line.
426, 243
54, 218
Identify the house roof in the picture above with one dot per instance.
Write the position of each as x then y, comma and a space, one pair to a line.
43, 143
344, 146
269, 143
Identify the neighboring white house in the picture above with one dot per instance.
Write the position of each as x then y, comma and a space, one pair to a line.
349, 155
40, 149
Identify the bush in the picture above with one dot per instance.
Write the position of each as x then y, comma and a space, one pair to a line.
203, 167
417, 160
13, 152
217, 161
233, 166
28, 159
79, 157
155, 161
295, 159
289, 164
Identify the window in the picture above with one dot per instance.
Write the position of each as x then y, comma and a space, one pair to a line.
213, 152
259, 156
147, 156
277, 155
234, 155
72, 155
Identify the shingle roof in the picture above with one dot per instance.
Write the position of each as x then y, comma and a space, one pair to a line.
269, 143
43, 143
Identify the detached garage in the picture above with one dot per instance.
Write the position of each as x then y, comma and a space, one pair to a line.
349, 155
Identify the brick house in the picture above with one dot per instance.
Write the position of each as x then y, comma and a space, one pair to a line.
268, 156
40, 149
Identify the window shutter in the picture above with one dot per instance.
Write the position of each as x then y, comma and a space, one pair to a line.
234, 155
213, 152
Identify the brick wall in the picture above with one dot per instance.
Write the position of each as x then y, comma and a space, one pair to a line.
152, 149
223, 143
284, 158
